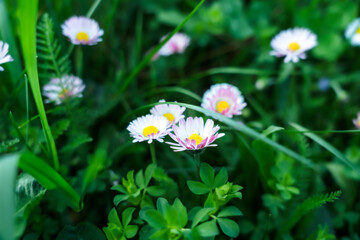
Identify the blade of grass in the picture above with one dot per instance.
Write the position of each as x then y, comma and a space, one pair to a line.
239, 127
327, 146
93, 8
49, 178
148, 57
8, 167
178, 90
28, 12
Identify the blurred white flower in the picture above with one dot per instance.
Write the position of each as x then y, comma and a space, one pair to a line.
293, 43
58, 90
352, 32
172, 112
225, 99
176, 44
82, 30
4, 57
149, 128
356, 121
192, 134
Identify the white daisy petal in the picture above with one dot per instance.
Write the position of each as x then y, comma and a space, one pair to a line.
82, 30
293, 43
356, 121
352, 32
172, 112
193, 135
57, 90
225, 99
4, 57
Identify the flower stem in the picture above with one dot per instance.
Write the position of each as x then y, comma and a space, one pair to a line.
197, 162
152, 151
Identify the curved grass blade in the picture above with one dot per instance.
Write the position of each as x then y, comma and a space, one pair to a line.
327, 146
239, 127
232, 70
8, 167
49, 178
28, 12
149, 56
180, 90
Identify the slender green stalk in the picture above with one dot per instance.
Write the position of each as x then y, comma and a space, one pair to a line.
93, 8
28, 12
152, 151
27, 105
147, 59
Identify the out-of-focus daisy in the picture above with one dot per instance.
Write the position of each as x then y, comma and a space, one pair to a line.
225, 99
82, 30
356, 121
4, 57
149, 128
60, 89
192, 134
172, 112
176, 44
293, 43
352, 32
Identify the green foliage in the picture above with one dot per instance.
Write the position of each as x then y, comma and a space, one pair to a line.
8, 146
81, 231
49, 51
120, 230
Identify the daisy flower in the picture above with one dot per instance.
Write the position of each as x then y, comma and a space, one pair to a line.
192, 134
356, 121
4, 57
176, 44
57, 90
225, 99
172, 112
149, 128
293, 43
352, 32
82, 31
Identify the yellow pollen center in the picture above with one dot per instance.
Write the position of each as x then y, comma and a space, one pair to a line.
358, 30
294, 46
196, 137
63, 93
150, 130
222, 105
169, 116
82, 36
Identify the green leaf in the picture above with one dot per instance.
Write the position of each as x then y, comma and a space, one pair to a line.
201, 215
27, 12
156, 191
131, 230
327, 146
114, 218
8, 167
221, 178
271, 129
140, 180
181, 212
153, 218
229, 227
120, 198
59, 127
127, 216
208, 229
85, 230
230, 212
207, 174
149, 173
197, 187
49, 178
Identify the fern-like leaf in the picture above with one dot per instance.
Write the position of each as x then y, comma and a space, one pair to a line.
308, 205
51, 62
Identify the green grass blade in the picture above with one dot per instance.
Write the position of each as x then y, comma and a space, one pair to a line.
8, 167
93, 8
327, 146
179, 90
148, 57
49, 178
233, 70
28, 12
239, 127
6, 34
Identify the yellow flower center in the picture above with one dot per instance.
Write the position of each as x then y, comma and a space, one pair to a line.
82, 36
358, 30
222, 105
150, 130
196, 137
359, 122
169, 116
294, 46
63, 93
